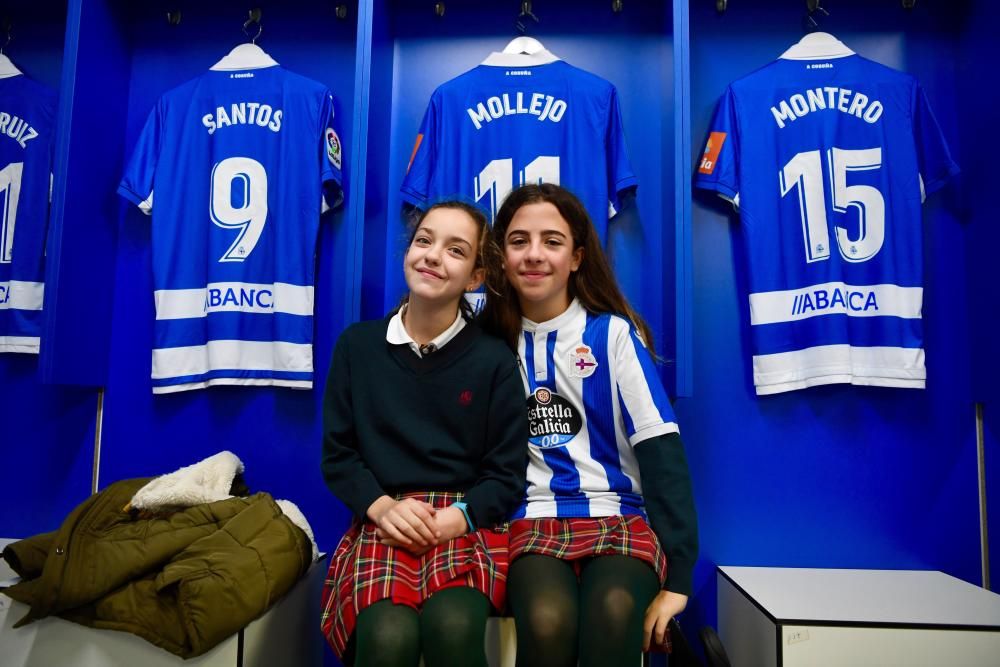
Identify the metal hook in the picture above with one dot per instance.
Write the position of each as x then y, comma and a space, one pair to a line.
811, 23
720, 6
521, 26
174, 17
617, 6
254, 18
439, 9
908, 4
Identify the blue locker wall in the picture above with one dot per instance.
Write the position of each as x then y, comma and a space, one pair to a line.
274, 431
47, 439
834, 476
975, 58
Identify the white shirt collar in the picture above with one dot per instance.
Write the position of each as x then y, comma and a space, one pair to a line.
817, 46
396, 334
574, 310
501, 59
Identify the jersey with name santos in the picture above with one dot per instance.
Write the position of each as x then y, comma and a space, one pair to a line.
237, 161
593, 394
827, 156
518, 119
27, 125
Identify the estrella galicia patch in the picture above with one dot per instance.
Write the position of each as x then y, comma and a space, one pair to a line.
552, 420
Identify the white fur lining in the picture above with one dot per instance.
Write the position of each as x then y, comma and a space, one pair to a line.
203, 482
296, 516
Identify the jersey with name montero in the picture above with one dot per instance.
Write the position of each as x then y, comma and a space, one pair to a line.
593, 395
518, 119
238, 161
27, 125
828, 156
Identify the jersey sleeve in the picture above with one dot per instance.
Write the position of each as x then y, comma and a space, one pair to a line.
619, 169
719, 166
416, 188
933, 157
332, 156
137, 183
645, 406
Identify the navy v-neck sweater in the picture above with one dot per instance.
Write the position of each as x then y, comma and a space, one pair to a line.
454, 420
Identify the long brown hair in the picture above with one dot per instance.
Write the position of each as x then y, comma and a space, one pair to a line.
488, 255
593, 283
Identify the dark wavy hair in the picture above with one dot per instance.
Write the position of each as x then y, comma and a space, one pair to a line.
594, 283
488, 255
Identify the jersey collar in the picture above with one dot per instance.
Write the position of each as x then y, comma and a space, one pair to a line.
817, 46
500, 59
556, 322
396, 333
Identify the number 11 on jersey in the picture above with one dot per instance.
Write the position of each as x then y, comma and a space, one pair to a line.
496, 180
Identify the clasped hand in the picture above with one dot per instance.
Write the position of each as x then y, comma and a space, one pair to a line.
415, 525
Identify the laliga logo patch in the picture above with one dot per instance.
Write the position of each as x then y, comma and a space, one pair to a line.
552, 420
333, 147
582, 363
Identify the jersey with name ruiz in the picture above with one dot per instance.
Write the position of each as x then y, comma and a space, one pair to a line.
27, 126
828, 160
240, 164
518, 119
593, 394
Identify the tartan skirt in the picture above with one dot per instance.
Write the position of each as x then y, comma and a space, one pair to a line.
364, 571
575, 539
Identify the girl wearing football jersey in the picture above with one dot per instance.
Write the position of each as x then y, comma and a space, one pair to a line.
591, 581
423, 439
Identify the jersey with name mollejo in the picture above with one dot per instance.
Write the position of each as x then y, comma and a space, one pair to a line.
518, 119
239, 165
27, 126
828, 160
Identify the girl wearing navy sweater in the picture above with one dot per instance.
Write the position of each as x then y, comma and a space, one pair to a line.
424, 436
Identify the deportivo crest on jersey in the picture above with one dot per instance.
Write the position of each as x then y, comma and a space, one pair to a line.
828, 166
582, 363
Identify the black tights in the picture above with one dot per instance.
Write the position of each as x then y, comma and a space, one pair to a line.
595, 619
449, 630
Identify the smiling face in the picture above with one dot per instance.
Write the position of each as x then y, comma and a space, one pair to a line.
440, 263
538, 259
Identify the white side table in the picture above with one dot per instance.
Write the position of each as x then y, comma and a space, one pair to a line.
791, 617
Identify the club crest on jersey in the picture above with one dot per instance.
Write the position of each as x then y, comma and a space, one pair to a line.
582, 363
552, 420
333, 148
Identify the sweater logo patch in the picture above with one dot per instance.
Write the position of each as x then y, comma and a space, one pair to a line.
552, 420
465, 398
582, 363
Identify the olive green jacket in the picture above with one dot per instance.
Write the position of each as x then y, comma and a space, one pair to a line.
183, 580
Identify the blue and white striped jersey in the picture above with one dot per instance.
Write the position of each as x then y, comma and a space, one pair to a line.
518, 119
828, 157
593, 394
27, 128
238, 161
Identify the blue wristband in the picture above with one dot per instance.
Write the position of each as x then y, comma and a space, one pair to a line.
465, 512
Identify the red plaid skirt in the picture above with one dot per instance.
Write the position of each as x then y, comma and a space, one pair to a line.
579, 538
364, 571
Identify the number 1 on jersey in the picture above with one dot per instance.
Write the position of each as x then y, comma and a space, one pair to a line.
10, 188
496, 180
249, 217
